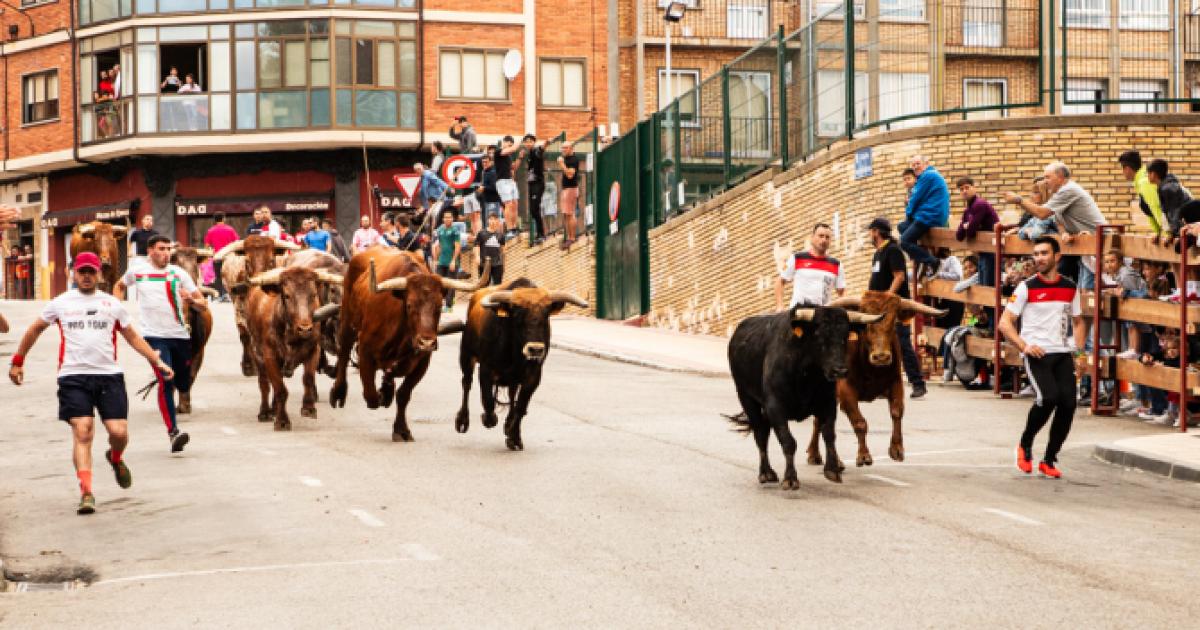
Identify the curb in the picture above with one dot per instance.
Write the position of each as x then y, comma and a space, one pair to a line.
1146, 462
621, 358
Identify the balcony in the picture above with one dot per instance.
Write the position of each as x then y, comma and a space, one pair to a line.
101, 11
988, 27
1191, 35
718, 21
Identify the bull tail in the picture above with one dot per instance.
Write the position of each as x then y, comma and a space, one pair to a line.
740, 421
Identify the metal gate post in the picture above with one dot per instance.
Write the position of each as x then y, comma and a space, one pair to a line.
1098, 317
997, 338
1184, 390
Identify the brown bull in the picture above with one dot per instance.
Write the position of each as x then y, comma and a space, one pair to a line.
391, 310
100, 238
873, 361
508, 335
199, 322
331, 296
240, 261
282, 318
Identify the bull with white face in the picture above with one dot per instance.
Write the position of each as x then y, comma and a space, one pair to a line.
242, 260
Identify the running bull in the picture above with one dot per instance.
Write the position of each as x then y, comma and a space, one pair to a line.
331, 297
100, 238
199, 322
785, 367
508, 335
242, 260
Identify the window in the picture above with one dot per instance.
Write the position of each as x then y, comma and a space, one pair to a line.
562, 83
911, 10
41, 97
1084, 96
985, 93
903, 95
1087, 13
833, 9
831, 102
472, 75
1143, 91
747, 19
750, 113
683, 87
983, 23
1147, 15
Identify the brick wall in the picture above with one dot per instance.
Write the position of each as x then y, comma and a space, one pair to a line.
574, 30
551, 268
42, 137
46, 18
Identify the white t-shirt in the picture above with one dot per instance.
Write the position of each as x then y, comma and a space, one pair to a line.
273, 230
1046, 311
88, 326
813, 278
160, 298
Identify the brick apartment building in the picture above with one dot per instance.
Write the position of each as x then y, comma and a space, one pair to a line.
290, 92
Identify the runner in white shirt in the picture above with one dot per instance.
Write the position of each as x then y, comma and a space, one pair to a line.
815, 277
165, 293
89, 378
1052, 334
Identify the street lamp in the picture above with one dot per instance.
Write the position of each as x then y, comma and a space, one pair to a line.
673, 13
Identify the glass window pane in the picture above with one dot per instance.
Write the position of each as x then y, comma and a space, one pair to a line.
497, 85
344, 75
243, 4
318, 27
220, 116
573, 84
219, 31
144, 7
278, 110
364, 62
551, 84
268, 65
183, 33
147, 120
243, 30
267, 4
287, 27
147, 68
294, 59
472, 75
320, 108
218, 67
345, 107
406, 29
87, 83
408, 4
246, 111
52, 86
343, 27
176, 6
374, 108
387, 64
320, 73
147, 34
363, 28
408, 110
320, 48
375, 3
218, 5
450, 74
408, 64
245, 65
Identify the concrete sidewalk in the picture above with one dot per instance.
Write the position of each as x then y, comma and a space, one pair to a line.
1174, 455
648, 347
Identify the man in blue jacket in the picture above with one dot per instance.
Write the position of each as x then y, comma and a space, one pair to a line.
928, 207
431, 188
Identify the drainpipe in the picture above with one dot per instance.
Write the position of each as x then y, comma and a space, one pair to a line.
421, 73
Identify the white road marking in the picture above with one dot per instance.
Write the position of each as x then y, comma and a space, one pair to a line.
268, 567
228, 431
894, 482
1025, 520
366, 517
268, 452
939, 465
419, 552
311, 482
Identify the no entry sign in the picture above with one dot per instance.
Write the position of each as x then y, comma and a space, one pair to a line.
459, 171
614, 202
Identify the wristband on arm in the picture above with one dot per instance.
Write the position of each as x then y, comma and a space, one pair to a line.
18, 360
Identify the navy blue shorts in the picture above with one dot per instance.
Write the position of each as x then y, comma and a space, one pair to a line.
84, 395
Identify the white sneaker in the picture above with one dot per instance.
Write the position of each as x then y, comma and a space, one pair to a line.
946, 376
1128, 354
1026, 392
1129, 405
1150, 418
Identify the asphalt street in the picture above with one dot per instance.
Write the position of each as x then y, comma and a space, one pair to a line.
632, 505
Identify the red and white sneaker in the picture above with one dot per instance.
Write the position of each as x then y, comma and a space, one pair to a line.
1048, 470
1024, 463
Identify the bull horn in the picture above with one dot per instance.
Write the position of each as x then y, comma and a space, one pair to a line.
331, 278
120, 229
207, 252
569, 298
87, 229
496, 298
803, 314
450, 326
846, 303
463, 285
394, 284
209, 291
923, 309
863, 318
232, 248
266, 277
280, 244
325, 312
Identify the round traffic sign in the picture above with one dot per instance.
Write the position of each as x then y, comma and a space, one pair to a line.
458, 171
614, 201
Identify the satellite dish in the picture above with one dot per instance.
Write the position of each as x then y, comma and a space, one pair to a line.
512, 64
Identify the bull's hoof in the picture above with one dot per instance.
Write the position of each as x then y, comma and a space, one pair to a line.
308, 412
841, 466
387, 394
833, 475
489, 420
402, 437
265, 416
288, 372
790, 484
184, 407
896, 452
514, 444
248, 369
462, 421
372, 401
337, 395
283, 425
814, 459
863, 459
768, 476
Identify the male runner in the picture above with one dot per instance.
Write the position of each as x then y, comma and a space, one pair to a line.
89, 378
1048, 305
815, 277
165, 292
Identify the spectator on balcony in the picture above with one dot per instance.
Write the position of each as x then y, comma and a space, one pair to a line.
472, 208
115, 76
1175, 199
189, 85
979, 216
431, 189
568, 196
171, 83
534, 156
1075, 212
491, 198
462, 131
365, 236
928, 207
506, 186
1147, 193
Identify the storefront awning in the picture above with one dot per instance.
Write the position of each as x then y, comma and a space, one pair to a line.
118, 211
307, 204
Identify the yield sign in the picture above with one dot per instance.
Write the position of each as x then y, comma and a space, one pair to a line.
407, 184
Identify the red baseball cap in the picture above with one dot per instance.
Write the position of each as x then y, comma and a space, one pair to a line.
87, 259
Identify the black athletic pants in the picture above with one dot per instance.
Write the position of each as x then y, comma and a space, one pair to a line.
218, 284
536, 189
908, 355
1053, 381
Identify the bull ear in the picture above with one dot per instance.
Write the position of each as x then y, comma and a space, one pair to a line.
240, 289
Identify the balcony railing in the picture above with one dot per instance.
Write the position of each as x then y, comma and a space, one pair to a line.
751, 20
106, 120
976, 25
1191, 34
